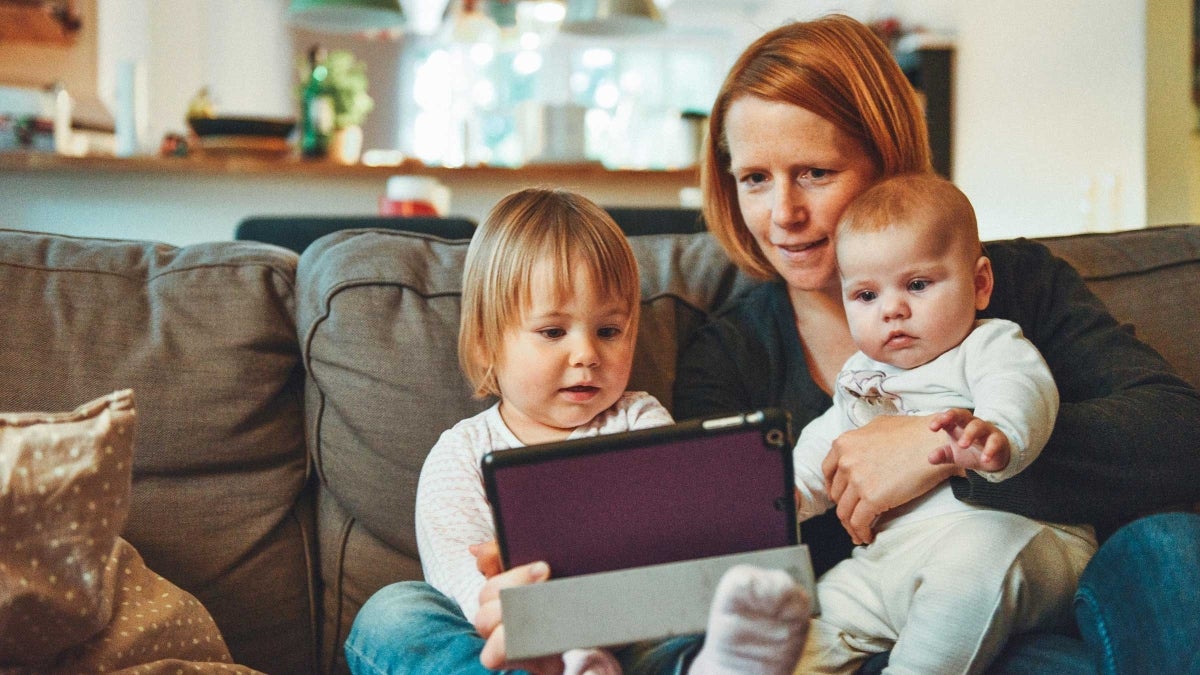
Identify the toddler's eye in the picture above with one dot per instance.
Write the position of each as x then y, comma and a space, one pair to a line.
552, 333
609, 332
865, 296
918, 285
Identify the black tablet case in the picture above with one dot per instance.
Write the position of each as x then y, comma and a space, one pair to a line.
700, 488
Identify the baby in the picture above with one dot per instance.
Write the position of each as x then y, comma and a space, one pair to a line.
944, 583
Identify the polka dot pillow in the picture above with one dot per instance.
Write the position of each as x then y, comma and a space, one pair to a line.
74, 596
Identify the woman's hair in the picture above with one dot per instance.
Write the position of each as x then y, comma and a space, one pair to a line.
836, 68
525, 228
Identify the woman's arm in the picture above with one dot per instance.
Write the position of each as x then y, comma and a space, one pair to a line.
1123, 444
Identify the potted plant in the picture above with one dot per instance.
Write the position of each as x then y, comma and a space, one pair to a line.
341, 79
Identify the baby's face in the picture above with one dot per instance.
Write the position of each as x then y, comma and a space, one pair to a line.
909, 294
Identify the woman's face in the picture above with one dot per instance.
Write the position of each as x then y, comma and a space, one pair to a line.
795, 174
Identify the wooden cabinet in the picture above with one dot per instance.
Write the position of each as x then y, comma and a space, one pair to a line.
39, 21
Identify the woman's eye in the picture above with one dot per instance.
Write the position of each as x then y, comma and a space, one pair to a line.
753, 178
918, 285
552, 333
818, 174
609, 332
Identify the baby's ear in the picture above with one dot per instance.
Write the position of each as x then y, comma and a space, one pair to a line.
983, 282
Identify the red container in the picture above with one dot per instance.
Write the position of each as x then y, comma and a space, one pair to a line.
405, 207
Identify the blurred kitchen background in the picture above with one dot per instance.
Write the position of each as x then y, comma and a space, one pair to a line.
1061, 117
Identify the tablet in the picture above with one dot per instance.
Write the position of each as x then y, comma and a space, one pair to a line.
699, 488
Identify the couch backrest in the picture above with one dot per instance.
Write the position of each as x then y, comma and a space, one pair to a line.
378, 325
1149, 279
205, 336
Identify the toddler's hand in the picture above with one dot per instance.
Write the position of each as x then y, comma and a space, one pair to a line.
487, 558
489, 621
976, 444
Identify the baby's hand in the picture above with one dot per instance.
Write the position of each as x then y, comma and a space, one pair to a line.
976, 444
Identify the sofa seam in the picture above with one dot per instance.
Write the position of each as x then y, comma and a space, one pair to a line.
338, 590
281, 274
311, 567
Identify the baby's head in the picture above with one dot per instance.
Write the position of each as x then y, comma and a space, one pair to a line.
913, 270
549, 307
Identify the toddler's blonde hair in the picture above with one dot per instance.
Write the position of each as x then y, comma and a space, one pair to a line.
524, 228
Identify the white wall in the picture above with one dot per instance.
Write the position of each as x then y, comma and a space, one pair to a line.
1070, 116
1050, 114
188, 208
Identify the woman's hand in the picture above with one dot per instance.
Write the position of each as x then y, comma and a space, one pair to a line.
489, 621
880, 466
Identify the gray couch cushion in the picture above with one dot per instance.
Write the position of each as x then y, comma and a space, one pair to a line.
205, 337
378, 324
1150, 279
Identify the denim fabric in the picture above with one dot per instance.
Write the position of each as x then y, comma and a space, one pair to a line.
409, 627
1138, 604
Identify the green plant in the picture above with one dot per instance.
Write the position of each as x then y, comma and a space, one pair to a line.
346, 83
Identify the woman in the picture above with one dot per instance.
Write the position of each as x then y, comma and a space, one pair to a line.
810, 116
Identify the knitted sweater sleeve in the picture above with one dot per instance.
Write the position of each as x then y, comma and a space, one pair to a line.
452, 513
1123, 443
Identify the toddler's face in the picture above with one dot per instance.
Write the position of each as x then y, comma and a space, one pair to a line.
910, 295
567, 361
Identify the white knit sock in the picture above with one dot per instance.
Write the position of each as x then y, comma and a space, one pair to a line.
590, 662
756, 626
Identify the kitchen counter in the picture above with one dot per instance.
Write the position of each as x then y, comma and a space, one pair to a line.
187, 200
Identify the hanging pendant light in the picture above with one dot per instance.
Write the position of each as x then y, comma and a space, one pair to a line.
345, 16
612, 17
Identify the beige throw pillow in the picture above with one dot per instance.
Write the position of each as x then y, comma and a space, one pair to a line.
74, 596
64, 496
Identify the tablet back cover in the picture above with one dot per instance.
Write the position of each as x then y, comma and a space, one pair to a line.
696, 489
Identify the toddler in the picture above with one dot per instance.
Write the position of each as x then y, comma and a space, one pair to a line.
944, 583
549, 320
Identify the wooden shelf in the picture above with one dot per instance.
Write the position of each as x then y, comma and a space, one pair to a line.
200, 166
38, 21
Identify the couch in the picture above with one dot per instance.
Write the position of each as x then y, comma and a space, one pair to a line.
285, 403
